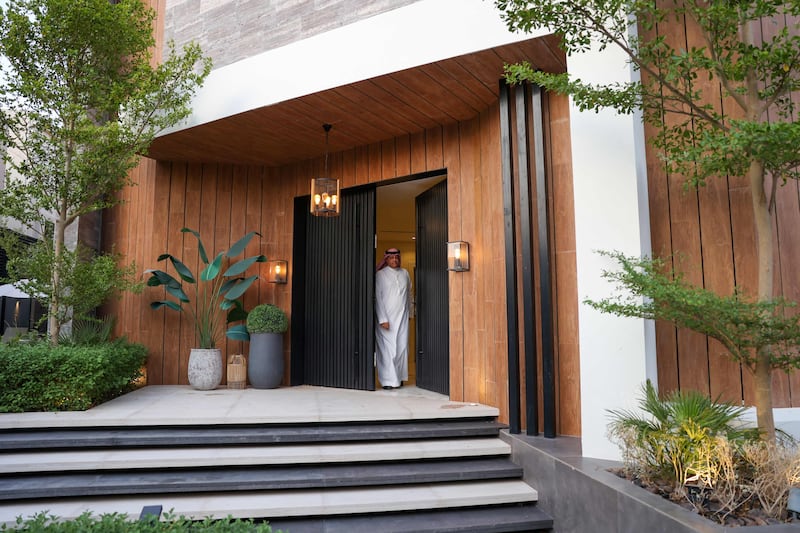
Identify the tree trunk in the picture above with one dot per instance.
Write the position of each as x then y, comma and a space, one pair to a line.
54, 322
763, 226
763, 381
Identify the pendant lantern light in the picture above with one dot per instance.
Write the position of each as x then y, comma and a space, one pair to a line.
324, 189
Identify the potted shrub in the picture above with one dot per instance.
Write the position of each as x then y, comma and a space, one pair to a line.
266, 324
215, 303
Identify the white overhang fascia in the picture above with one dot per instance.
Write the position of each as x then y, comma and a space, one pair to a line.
420, 33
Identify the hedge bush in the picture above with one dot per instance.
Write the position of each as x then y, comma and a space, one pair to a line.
117, 522
37, 376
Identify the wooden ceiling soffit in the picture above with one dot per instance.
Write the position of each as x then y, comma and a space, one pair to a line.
362, 113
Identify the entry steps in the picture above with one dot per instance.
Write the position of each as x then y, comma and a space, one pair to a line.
422, 476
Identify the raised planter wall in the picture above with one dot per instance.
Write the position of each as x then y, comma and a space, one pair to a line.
582, 496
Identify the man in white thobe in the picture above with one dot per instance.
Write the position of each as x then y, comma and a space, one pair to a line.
392, 307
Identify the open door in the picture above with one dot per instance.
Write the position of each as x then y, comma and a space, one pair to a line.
432, 293
332, 295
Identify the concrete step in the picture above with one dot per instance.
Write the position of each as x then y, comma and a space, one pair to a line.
170, 436
449, 474
271, 505
21, 487
169, 458
495, 519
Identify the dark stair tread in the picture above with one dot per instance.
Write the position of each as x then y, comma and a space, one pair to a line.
168, 436
494, 519
17, 487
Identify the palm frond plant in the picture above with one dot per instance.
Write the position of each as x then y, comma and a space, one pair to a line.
670, 438
216, 293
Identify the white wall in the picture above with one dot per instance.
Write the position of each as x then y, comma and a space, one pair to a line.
611, 211
417, 34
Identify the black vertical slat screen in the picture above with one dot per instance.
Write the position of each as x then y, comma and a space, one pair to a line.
432, 295
543, 217
509, 233
526, 244
338, 341
534, 216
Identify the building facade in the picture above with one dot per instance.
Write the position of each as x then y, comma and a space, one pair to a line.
413, 91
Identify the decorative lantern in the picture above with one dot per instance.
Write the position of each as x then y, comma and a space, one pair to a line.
278, 270
325, 190
458, 256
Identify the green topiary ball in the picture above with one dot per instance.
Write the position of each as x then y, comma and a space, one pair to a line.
267, 318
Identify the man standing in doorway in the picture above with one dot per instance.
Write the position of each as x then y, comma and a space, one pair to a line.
392, 307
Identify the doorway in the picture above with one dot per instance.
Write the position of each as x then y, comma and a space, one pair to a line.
333, 284
401, 223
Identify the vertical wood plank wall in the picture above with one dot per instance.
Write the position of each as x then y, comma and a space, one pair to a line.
710, 231
224, 201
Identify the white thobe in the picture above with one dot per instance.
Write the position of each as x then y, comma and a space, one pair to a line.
392, 305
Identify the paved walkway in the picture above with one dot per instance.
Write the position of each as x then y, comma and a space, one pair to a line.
182, 405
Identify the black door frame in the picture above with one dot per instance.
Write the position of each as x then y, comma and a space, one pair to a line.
299, 257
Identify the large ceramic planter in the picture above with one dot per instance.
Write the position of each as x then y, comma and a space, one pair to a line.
205, 368
265, 364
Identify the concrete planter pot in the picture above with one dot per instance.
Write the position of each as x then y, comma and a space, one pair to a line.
265, 362
205, 368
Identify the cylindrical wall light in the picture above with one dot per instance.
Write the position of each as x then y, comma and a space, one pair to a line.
458, 256
278, 270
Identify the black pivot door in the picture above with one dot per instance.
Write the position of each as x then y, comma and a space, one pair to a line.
432, 295
332, 295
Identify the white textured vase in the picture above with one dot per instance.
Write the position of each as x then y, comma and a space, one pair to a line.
205, 368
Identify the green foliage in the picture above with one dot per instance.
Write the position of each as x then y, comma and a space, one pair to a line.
215, 290
81, 100
119, 523
87, 279
89, 331
697, 141
267, 318
672, 437
38, 376
647, 288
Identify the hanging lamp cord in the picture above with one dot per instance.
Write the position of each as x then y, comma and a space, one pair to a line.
327, 128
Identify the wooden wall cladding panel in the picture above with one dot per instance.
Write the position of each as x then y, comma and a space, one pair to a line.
711, 231
790, 259
418, 148
716, 248
567, 350
452, 162
475, 347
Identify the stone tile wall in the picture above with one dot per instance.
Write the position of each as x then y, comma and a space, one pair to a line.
231, 30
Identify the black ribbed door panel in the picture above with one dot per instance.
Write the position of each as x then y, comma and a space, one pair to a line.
432, 295
338, 340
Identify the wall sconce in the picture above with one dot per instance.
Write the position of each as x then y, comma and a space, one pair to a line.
325, 190
278, 271
458, 256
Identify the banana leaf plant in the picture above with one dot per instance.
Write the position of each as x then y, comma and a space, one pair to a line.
216, 293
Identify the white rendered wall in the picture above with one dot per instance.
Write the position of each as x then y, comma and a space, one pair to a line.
616, 354
417, 34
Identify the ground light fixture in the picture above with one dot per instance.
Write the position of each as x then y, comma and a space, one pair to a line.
324, 189
793, 506
458, 256
278, 270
